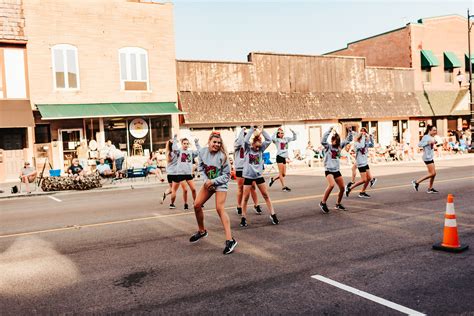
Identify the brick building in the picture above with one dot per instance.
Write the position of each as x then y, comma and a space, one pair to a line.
436, 49
100, 70
16, 118
305, 93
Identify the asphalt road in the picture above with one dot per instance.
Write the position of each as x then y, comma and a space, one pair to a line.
120, 251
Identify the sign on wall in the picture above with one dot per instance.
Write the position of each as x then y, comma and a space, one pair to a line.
138, 128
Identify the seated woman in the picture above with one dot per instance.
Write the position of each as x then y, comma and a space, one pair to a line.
104, 168
152, 166
28, 175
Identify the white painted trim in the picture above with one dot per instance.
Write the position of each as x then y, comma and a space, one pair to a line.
63, 48
368, 296
53, 198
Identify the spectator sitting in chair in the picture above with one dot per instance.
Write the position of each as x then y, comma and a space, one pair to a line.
76, 170
104, 168
28, 175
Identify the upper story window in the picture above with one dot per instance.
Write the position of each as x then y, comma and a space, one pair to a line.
65, 67
13, 78
428, 60
133, 69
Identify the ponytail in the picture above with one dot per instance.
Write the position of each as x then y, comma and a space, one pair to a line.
428, 129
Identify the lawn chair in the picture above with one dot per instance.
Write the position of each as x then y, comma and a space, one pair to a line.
268, 162
133, 173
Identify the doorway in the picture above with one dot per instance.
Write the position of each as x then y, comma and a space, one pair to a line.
69, 139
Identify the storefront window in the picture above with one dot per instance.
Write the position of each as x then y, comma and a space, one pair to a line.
161, 131
12, 138
116, 131
42, 134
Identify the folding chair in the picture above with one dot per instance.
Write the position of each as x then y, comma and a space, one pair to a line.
268, 162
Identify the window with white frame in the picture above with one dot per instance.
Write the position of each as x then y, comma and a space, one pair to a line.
65, 67
133, 69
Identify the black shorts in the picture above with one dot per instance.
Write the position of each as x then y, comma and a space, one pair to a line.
336, 174
281, 159
171, 178
429, 162
183, 177
257, 181
238, 173
363, 168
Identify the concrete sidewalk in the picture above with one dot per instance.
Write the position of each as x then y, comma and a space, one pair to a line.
298, 167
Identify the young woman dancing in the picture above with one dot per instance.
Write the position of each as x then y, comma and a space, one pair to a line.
428, 143
253, 172
239, 155
331, 164
215, 169
171, 171
281, 143
362, 144
184, 169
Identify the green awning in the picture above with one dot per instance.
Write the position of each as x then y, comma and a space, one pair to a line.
466, 58
451, 61
89, 110
428, 59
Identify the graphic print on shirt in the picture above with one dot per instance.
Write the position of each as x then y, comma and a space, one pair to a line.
211, 172
362, 151
254, 159
283, 146
334, 153
242, 153
185, 157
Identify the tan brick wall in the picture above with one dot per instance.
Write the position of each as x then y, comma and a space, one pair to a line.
12, 21
292, 73
99, 28
391, 49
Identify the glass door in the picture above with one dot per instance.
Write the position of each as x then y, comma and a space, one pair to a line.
69, 140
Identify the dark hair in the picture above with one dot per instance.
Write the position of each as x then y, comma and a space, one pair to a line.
428, 129
168, 148
336, 138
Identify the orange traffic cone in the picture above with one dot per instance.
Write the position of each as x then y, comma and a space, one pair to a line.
450, 239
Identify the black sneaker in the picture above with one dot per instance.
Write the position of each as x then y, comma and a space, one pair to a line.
324, 207
230, 246
347, 190
350, 183
271, 182
340, 207
186, 207
364, 195
432, 191
274, 219
197, 236
286, 189
258, 209
172, 206
373, 181
239, 210
415, 185
243, 222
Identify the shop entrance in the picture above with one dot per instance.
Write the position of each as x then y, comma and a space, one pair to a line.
69, 139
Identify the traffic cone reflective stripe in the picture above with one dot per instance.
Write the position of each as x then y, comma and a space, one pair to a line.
450, 233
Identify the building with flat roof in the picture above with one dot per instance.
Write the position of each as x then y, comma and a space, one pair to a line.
436, 49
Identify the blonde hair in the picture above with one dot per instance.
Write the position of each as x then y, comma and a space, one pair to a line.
222, 149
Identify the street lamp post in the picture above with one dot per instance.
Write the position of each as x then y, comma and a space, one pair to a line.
469, 26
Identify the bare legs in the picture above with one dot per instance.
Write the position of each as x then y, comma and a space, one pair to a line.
240, 192
331, 182
202, 198
431, 175
281, 174
263, 190
365, 178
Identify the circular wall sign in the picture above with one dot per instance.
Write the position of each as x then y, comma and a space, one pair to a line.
138, 128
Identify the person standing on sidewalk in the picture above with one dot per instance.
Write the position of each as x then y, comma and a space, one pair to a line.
215, 169
253, 172
428, 143
332, 165
281, 143
362, 144
239, 158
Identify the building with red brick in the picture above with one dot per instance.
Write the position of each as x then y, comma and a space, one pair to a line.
436, 49
306, 93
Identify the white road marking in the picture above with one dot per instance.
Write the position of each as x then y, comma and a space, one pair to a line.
368, 296
53, 198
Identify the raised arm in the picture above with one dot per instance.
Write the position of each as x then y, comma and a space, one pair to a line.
198, 148
324, 140
249, 135
361, 144
371, 141
348, 139
290, 139
175, 146
239, 142
274, 136
267, 142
